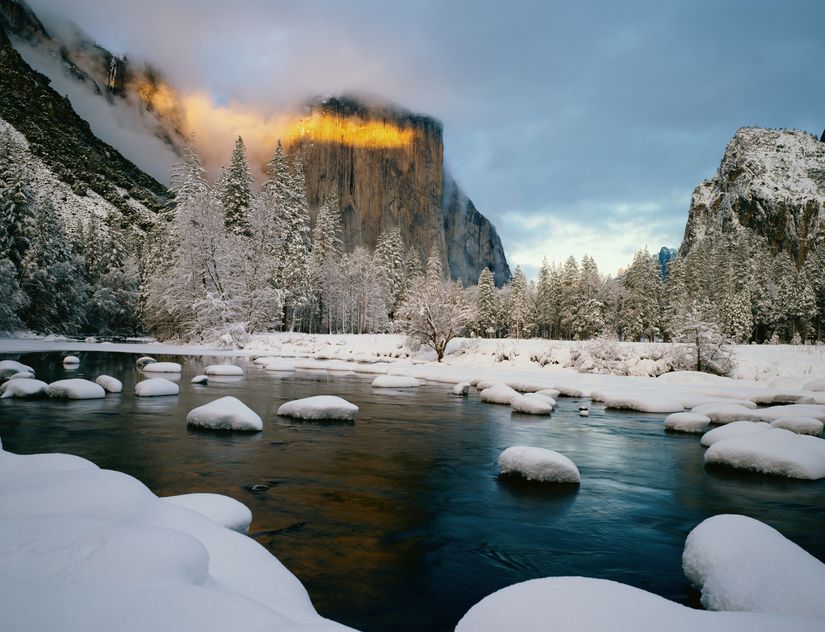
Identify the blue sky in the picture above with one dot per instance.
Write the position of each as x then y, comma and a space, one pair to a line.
575, 127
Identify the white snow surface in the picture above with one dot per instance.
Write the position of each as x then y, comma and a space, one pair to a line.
319, 407
110, 384
643, 402
687, 422
799, 424
70, 359
531, 405
581, 604
200, 379
733, 429
10, 367
91, 550
162, 367
726, 413
739, 563
144, 360
23, 387
461, 389
220, 509
226, 413
774, 451
224, 369
75, 388
395, 381
156, 387
498, 394
22, 375
538, 464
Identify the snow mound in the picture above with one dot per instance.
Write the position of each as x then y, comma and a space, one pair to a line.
643, 402
279, 364
817, 386
691, 377
162, 367
733, 429
28, 375
70, 359
498, 394
319, 407
24, 387
726, 413
582, 604
462, 389
531, 405
200, 379
223, 369
226, 413
774, 451
739, 563
550, 392
806, 410
395, 381
687, 422
10, 367
75, 388
156, 387
538, 464
220, 509
109, 383
144, 360
799, 425
782, 397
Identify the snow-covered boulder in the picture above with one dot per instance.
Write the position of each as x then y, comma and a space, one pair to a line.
643, 402
769, 397
162, 367
226, 413
25, 387
799, 424
279, 364
10, 367
774, 451
530, 405
687, 422
319, 407
550, 392
498, 394
462, 389
156, 387
200, 379
538, 464
739, 563
582, 604
223, 369
733, 429
27, 375
75, 388
726, 413
817, 386
220, 509
483, 384
144, 360
395, 381
261, 359
70, 360
109, 383
544, 397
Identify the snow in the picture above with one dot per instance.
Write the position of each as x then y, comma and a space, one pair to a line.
91, 550
75, 388
10, 367
461, 389
226, 413
687, 422
773, 451
23, 387
531, 405
550, 392
162, 367
739, 563
799, 425
70, 359
581, 604
817, 386
156, 387
223, 369
538, 464
22, 375
726, 413
319, 407
220, 509
646, 403
109, 383
144, 360
733, 429
278, 364
395, 381
200, 379
498, 394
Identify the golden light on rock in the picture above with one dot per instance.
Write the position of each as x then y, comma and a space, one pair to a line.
352, 131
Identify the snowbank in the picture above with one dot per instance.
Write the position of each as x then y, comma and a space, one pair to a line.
200, 379
278, 364
10, 367
220, 509
726, 413
531, 405
687, 422
462, 389
156, 387
162, 367
799, 425
646, 403
109, 383
773, 451
498, 394
24, 387
226, 413
319, 407
75, 388
223, 369
733, 429
538, 464
395, 381
739, 563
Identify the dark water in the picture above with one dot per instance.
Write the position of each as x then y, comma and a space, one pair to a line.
399, 521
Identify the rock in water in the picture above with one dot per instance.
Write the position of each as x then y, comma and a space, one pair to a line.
320, 407
226, 413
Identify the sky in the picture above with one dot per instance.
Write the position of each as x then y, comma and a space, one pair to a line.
575, 127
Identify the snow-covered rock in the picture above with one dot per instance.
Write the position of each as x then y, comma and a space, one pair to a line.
220, 509
279, 364
733, 429
156, 387
582, 604
498, 394
462, 389
162, 367
530, 405
144, 360
774, 451
109, 383
70, 359
739, 563
27, 375
726, 413
799, 425
10, 367
319, 407
538, 464
550, 392
200, 379
687, 422
226, 413
25, 387
75, 388
643, 402
223, 369
817, 386
769, 397
395, 381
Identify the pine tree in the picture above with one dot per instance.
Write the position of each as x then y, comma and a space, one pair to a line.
389, 257
296, 246
327, 248
13, 299
544, 301
236, 191
521, 309
642, 285
568, 297
487, 305
17, 209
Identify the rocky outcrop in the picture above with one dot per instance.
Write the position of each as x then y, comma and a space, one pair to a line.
19, 19
771, 182
381, 185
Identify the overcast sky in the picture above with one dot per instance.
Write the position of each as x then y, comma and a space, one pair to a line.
577, 127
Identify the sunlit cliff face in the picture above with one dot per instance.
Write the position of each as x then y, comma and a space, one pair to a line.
353, 131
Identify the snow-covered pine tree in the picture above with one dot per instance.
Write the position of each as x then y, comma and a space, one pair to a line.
568, 297
17, 208
642, 285
487, 305
13, 301
325, 258
236, 191
295, 278
589, 320
544, 301
702, 347
389, 257
520, 306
